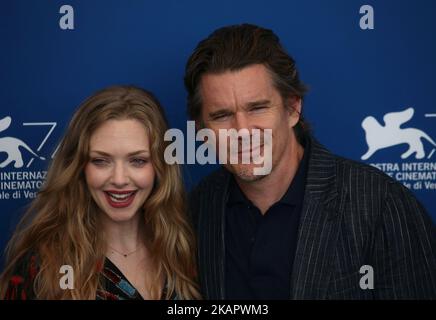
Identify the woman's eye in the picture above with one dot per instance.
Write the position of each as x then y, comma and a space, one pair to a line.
139, 162
99, 161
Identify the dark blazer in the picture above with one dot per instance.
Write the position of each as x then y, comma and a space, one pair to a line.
353, 215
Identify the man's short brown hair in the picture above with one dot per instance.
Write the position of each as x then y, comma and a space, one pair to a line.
234, 47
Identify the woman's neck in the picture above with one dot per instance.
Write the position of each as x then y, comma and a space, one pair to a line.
124, 236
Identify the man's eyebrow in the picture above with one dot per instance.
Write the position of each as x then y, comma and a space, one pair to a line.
259, 103
226, 111
134, 153
220, 112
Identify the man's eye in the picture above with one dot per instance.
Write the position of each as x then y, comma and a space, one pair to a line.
220, 117
258, 108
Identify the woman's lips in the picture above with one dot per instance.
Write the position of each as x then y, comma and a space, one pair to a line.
120, 199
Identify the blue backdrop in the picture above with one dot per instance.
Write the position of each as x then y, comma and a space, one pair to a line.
353, 73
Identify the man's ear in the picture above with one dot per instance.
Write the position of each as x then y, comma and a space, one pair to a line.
293, 106
199, 124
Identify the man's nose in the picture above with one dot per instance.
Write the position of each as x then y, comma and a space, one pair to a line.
119, 175
241, 121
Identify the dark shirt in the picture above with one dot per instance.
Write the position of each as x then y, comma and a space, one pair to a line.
260, 249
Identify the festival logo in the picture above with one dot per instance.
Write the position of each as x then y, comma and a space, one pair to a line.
17, 179
416, 170
380, 137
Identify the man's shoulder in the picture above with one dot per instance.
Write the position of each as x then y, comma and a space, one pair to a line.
210, 191
354, 167
217, 179
345, 166
207, 195
359, 174
351, 173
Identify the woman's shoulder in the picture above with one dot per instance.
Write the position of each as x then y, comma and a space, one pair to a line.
20, 285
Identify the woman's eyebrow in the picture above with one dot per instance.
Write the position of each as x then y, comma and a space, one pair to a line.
134, 153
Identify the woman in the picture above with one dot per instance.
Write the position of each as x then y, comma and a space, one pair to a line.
109, 222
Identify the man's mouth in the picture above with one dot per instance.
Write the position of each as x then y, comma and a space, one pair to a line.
251, 149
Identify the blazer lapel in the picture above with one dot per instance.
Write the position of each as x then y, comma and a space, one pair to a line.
319, 227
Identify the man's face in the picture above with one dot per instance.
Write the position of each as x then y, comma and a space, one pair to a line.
247, 99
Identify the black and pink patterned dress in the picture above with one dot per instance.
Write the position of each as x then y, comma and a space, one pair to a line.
115, 284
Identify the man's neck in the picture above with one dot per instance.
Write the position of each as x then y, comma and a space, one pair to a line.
270, 189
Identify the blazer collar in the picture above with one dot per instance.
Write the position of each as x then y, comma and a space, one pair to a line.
319, 226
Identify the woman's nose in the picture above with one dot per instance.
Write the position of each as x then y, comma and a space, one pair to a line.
119, 176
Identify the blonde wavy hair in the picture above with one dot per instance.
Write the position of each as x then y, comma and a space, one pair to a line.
62, 225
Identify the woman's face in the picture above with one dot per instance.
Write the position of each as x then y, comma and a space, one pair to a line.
119, 173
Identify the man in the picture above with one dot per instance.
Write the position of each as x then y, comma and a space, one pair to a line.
317, 226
